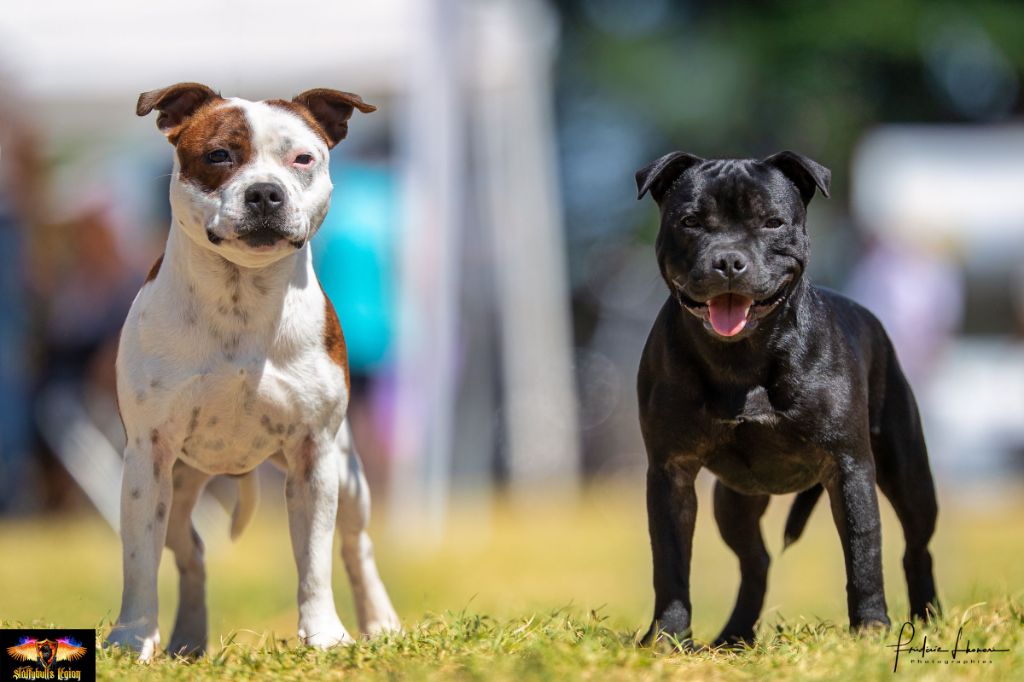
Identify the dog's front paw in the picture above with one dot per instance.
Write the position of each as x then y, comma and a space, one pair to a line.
669, 642
384, 622
869, 626
324, 634
734, 640
186, 646
140, 637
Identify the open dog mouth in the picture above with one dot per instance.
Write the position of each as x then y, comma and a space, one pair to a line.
730, 313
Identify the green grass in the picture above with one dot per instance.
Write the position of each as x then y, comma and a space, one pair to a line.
541, 590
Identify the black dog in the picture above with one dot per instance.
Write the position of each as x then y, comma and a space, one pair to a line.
774, 385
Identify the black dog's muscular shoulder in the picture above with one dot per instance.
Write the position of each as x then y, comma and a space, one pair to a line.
772, 384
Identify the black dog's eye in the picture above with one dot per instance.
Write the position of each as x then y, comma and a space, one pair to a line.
691, 221
773, 223
304, 159
218, 156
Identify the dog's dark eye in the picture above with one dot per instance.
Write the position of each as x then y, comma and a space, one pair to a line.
773, 223
218, 156
691, 221
303, 159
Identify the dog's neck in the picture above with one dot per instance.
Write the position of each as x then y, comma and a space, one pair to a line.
228, 296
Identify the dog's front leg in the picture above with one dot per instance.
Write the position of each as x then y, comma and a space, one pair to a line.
311, 490
671, 514
145, 503
851, 491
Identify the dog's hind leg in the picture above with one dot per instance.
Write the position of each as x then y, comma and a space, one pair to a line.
189, 635
905, 478
739, 522
373, 607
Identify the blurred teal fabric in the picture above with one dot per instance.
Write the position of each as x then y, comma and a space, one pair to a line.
354, 259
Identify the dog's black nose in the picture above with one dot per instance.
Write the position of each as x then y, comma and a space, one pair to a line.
729, 264
264, 198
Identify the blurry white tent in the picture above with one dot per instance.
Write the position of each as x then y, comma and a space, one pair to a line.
942, 185
951, 197
464, 80
103, 49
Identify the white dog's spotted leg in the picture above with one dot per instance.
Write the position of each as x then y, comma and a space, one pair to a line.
373, 606
311, 490
145, 504
190, 626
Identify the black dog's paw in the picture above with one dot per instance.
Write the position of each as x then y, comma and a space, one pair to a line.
871, 625
929, 613
186, 651
734, 640
668, 642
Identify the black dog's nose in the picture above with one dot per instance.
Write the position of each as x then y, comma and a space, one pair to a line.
264, 198
729, 264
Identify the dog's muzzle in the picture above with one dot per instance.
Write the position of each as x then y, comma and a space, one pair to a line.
729, 313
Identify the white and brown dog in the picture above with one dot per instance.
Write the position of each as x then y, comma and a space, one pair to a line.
232, 354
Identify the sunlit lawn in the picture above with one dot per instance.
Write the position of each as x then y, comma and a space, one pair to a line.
541, 589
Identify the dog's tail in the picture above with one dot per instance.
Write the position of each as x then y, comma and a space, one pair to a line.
248, 500
801, 510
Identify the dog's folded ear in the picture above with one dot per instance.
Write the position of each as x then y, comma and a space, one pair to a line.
332, 109
175, 103
805, 173
659, 176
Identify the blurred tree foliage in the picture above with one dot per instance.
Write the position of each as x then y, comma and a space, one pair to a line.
746, 78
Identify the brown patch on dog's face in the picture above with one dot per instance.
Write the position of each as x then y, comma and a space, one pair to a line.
213, 145
334, 339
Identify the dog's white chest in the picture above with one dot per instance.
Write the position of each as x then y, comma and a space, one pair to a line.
230, 419
224, 380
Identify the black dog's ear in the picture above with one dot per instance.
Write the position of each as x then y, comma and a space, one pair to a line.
332, 109
659, 176
805, 173
175, 103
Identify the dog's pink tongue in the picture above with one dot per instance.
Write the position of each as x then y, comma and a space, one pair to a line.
729, 313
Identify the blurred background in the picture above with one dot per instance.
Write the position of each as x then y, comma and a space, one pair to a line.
495, 275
